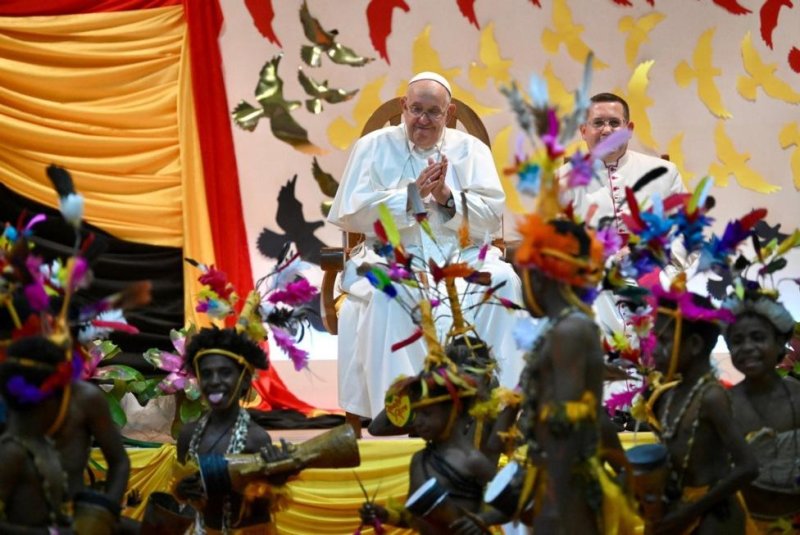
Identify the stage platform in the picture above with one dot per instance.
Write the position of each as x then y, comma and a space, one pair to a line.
319, 502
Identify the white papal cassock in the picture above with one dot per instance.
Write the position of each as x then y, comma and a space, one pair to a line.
381, 166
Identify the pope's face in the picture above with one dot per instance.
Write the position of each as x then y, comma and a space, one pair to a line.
426, 107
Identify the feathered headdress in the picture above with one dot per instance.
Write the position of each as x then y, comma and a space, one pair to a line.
279, 300
426, 290
554, 239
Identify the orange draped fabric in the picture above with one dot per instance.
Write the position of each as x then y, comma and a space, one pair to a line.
107, 88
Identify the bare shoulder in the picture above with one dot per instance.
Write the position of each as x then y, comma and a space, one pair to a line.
87, 393
575, 325
715, 400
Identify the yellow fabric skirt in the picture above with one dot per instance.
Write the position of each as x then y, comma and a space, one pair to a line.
692, 494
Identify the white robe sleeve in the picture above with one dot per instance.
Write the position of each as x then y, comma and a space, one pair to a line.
474, 173
362, 190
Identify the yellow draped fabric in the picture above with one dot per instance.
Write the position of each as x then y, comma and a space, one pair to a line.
692, 494
109, 97
320, 501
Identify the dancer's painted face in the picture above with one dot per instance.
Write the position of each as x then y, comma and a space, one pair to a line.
219, 377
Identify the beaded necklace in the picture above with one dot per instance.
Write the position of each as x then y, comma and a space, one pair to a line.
236, 444
668, 431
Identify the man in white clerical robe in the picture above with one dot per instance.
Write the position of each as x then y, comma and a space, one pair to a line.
444, 163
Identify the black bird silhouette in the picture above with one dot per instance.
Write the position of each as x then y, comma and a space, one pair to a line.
291, 220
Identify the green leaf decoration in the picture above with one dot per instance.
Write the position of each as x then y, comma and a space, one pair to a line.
115, 407
190, 410
119, 372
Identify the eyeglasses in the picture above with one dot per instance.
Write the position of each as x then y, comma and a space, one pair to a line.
612, 123
432, 115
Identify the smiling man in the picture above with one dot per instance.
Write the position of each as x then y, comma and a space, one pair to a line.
442, 163
608, 113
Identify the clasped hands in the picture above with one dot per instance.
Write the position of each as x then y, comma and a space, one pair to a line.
431, 180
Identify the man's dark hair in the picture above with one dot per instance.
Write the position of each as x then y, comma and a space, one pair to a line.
228, 339
611, 97
46, 354
707, 330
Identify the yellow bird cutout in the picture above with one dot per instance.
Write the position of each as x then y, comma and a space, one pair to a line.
762, 75
639, 102
503, 158
557, 90
638, 31
731, 162
705, 72
341, 132
675, 152
789, 136
425, 58
493, 65
566, 32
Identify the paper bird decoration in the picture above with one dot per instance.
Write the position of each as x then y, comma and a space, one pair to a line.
557, 90
675, 153
379, 19
467, 9
762, 75
269, 94
794, 59
424, 57
324, 42
638, 31
263, 14
768, 14
320, 91
493, 65
788, 137
566, 32
639, 102
291, 220
704, 72
732, 6
341, 132
731, 162
327, 185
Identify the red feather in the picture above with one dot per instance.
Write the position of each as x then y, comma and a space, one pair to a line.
467, 8
536, 3
732, 6
416, 335
625, 3
262, 14
675, 200
769, 17
379, 19
752, 218
632, 224
794, 59
380, 232
633, 205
